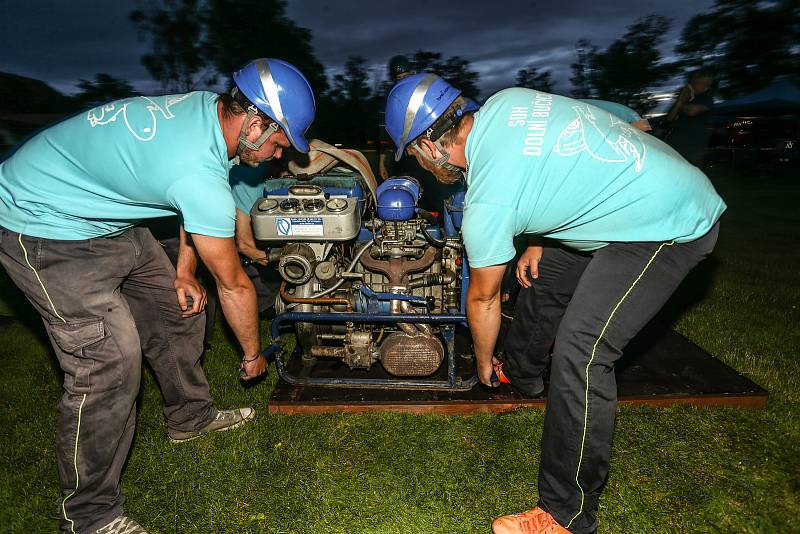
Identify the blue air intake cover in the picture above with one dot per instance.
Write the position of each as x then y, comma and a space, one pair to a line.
397, 199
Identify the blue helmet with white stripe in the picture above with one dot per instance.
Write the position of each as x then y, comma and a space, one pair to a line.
414, 104
281, 92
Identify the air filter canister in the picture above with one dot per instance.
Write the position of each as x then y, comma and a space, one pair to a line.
404, 355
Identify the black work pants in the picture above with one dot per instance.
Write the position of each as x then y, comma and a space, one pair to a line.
538, 313
615, 292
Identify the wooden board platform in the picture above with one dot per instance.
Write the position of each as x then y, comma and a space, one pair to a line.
660, 367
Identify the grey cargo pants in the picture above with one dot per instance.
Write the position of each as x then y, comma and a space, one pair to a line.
104, 302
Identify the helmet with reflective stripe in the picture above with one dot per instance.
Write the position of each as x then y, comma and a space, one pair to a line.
414, 104
280, 91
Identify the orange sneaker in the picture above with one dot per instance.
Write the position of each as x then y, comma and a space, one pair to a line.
535, 521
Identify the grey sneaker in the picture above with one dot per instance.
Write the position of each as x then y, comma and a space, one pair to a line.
122, 525
225, 420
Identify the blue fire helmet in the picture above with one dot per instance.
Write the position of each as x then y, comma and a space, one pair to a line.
414, 104
280, 91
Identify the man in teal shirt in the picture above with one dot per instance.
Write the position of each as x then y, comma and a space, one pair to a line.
70, 201
247, 186
525, 308
550, 166
538, 308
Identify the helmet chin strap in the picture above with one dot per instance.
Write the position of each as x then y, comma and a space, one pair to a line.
439, 162
434, 135
252, 111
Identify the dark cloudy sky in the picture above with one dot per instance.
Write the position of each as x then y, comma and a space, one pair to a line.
63, 41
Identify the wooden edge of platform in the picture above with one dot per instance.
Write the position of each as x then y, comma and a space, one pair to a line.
450, 408
455, 407
757, 400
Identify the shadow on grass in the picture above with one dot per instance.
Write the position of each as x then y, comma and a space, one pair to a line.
18, 309
694, 289
14, 306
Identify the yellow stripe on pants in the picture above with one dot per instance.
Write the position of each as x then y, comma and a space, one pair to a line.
591, 359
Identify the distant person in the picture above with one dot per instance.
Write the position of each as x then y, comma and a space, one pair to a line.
689, 119
73, 197
398, 68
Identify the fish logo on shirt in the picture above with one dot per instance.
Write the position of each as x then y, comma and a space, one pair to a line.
621, 142
139, 114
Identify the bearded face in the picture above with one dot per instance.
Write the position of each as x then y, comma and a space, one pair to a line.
249, 157
441, 174
272, 148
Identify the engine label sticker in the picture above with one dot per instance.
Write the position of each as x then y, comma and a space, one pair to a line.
299, 226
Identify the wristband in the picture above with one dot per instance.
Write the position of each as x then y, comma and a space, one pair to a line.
254, 358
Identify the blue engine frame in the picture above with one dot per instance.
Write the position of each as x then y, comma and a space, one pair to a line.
453, 382
372, 307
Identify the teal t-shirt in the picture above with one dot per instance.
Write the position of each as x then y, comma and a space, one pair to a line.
106, 169
247, 184
553, 166
623, 112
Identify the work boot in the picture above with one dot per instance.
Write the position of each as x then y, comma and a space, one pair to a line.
535, 521
225, 420
122, 525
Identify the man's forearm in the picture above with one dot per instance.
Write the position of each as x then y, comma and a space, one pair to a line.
255, 254
484, 324
245, 240
673, 112
241, 312
187, 255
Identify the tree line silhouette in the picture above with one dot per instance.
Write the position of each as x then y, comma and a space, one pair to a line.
196, 44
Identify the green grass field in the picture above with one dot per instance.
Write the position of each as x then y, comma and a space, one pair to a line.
680, 469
